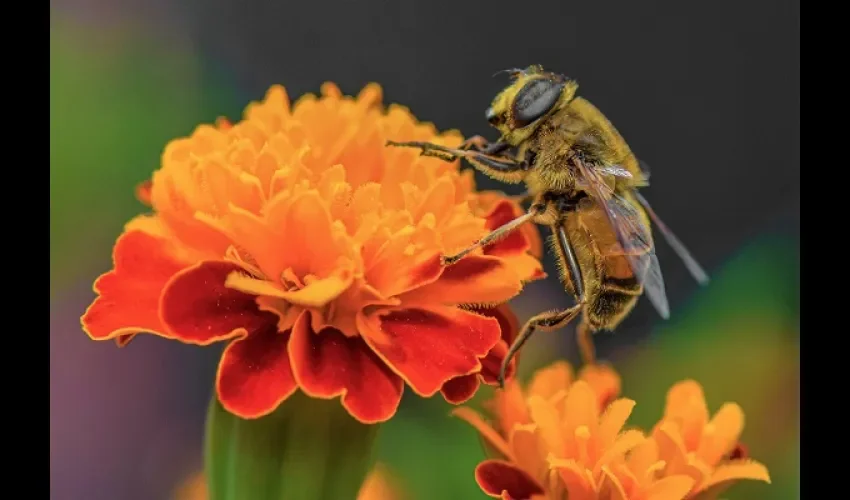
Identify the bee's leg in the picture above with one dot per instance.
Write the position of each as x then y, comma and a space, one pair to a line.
496, 234
547, 321
552, 320
503, 167
585, 342
482, 145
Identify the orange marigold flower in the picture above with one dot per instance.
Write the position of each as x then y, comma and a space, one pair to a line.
565, 439
707, 449
297, 236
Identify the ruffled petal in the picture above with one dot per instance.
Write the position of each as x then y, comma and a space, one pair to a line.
329, 364
197, 307
128, 300
727, 474
514, 243
604, 381
460, 389
686, 406
576, 478
509, 325
429, 347
254, 374
721, 434
317, 294
670, 488
550, 380
476, 279
496, 477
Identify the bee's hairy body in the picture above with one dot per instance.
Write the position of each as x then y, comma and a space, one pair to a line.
609, 284
582, 181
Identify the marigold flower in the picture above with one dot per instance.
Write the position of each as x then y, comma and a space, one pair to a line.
565, 439
297, 236
706, 449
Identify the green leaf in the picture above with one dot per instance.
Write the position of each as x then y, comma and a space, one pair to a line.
308, 449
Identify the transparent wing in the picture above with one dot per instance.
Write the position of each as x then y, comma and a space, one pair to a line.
615, 170
633, 236
690, 262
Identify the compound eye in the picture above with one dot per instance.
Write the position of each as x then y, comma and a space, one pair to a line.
534, 100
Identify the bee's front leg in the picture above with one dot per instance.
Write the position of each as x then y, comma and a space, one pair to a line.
482, 145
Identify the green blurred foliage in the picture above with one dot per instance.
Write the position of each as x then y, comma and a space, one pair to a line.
117, 96
739, 339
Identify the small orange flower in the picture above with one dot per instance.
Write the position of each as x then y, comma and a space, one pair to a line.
706, 449
565, 439
314, 250
379, 485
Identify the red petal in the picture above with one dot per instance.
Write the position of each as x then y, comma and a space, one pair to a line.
198, 309
329, 364
460, 389
509, 325
496, 477
143, 192
254, 375
128, 301
513, 244
429, 347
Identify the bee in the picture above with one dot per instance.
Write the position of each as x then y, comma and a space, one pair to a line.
582, 182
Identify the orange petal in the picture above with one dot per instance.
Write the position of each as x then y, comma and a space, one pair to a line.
580, 408
643, 457
430, 346
316, 294
550, 380
617, 451
721, 434
546, 417
128, 300
485, 430
610, 487
604, 381
528, 453
510, 406
727, 474
329, 364
686, 405
670, 488
613, 420
476, 279
577, 479
496, 477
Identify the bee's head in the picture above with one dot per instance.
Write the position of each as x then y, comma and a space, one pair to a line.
532, 95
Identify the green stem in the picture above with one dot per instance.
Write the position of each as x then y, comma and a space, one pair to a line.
308, 449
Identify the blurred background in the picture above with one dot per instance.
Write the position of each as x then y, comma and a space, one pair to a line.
706, 93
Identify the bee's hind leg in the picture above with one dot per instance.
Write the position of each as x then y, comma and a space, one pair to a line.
547, 321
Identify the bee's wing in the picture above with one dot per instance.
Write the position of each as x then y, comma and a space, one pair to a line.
634, 238
690, 262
